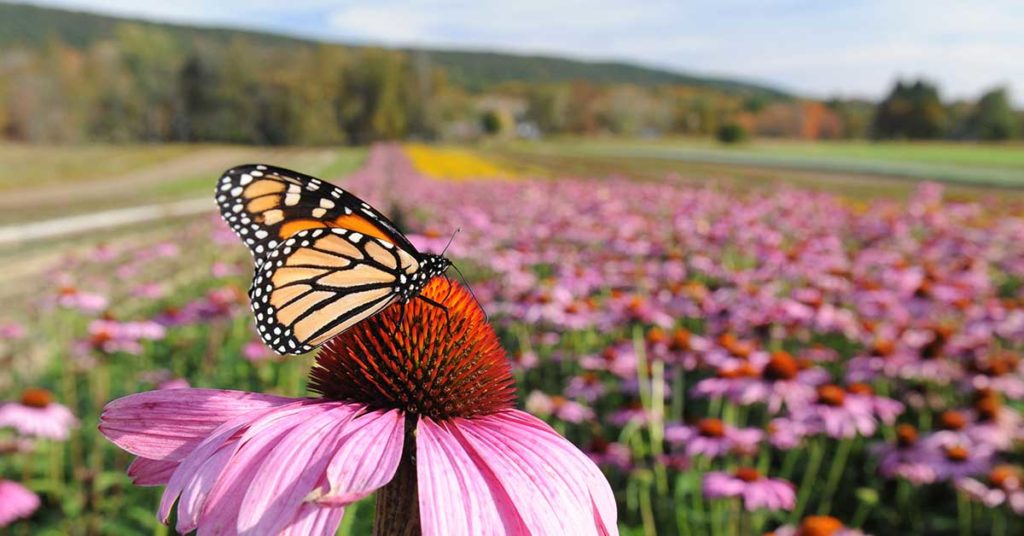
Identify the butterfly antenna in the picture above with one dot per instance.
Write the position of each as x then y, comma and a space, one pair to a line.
471, 293
445, 250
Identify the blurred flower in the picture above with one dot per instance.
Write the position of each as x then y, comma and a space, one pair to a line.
256, 350
907, 458
953, 457
1002, 485
111, 336
37, 415
12, 331
838, 414
432, 417
88, 302
756, 490
566, 410
816, 526
16, 502
713, 438
175, 383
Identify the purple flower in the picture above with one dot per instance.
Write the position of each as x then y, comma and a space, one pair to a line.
37, 415
756, 490
907, 458
713, 438
16, 502
1001, 486
839, 414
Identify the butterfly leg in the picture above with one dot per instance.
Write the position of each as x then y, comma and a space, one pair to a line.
447, 318
401, 318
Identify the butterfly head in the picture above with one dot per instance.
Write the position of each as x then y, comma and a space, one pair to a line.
435, 265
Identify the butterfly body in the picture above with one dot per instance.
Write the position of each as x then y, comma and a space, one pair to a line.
325, 259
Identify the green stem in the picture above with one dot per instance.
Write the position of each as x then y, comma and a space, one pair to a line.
963, 514
834, 474
810, 476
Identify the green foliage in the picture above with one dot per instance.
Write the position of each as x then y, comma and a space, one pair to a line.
491, 122
992, 118
731, 133
911, 111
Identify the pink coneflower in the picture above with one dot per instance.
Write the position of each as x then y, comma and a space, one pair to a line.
954, 457
756, 490
37, 415
774, 381
12, 331
906, 458
785, 433
838, 415
562, 408
421, 410
16, 502
713, 438
110, 336
816, 526
1002, 485
73, 298
255, 351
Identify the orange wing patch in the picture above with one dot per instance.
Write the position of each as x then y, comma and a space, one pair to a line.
359, 224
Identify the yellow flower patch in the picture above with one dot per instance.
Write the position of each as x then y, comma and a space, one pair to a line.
454, 164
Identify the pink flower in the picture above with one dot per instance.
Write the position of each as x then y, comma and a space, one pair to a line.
756, 490
562, 408
88, 302
839, 414
16, 502
1003, 485
908, 458
255, 351
174, 383
112, 336
713, 438
12, 331
953, 457
815, 526
246, 462
37, 415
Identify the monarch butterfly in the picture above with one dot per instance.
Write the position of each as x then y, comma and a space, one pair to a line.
325, 259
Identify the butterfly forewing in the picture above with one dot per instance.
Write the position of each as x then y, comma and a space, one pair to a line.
319, 282
265, 205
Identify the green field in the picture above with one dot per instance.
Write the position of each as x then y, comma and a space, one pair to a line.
962, 163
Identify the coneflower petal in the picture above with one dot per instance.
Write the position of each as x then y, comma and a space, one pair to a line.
185, 421
555, 488
367, 459
454, 496
146, 472
291, 469
220, 513
314, 519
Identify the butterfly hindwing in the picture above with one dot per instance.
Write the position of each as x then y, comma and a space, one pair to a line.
265, 205
319, 282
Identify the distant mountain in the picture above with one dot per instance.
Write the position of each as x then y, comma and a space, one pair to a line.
33, 26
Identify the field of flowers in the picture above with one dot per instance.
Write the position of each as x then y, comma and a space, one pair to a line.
736, 362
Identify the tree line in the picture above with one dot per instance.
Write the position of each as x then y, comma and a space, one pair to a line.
143, 85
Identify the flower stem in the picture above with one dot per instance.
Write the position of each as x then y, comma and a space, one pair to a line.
834, 474
398, 512
963, 514
810, 477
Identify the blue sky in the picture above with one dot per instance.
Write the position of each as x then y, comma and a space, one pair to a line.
814, 47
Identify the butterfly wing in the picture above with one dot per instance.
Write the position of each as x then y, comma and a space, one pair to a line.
265, 205
319, 282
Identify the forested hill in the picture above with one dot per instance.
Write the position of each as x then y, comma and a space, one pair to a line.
34, 26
